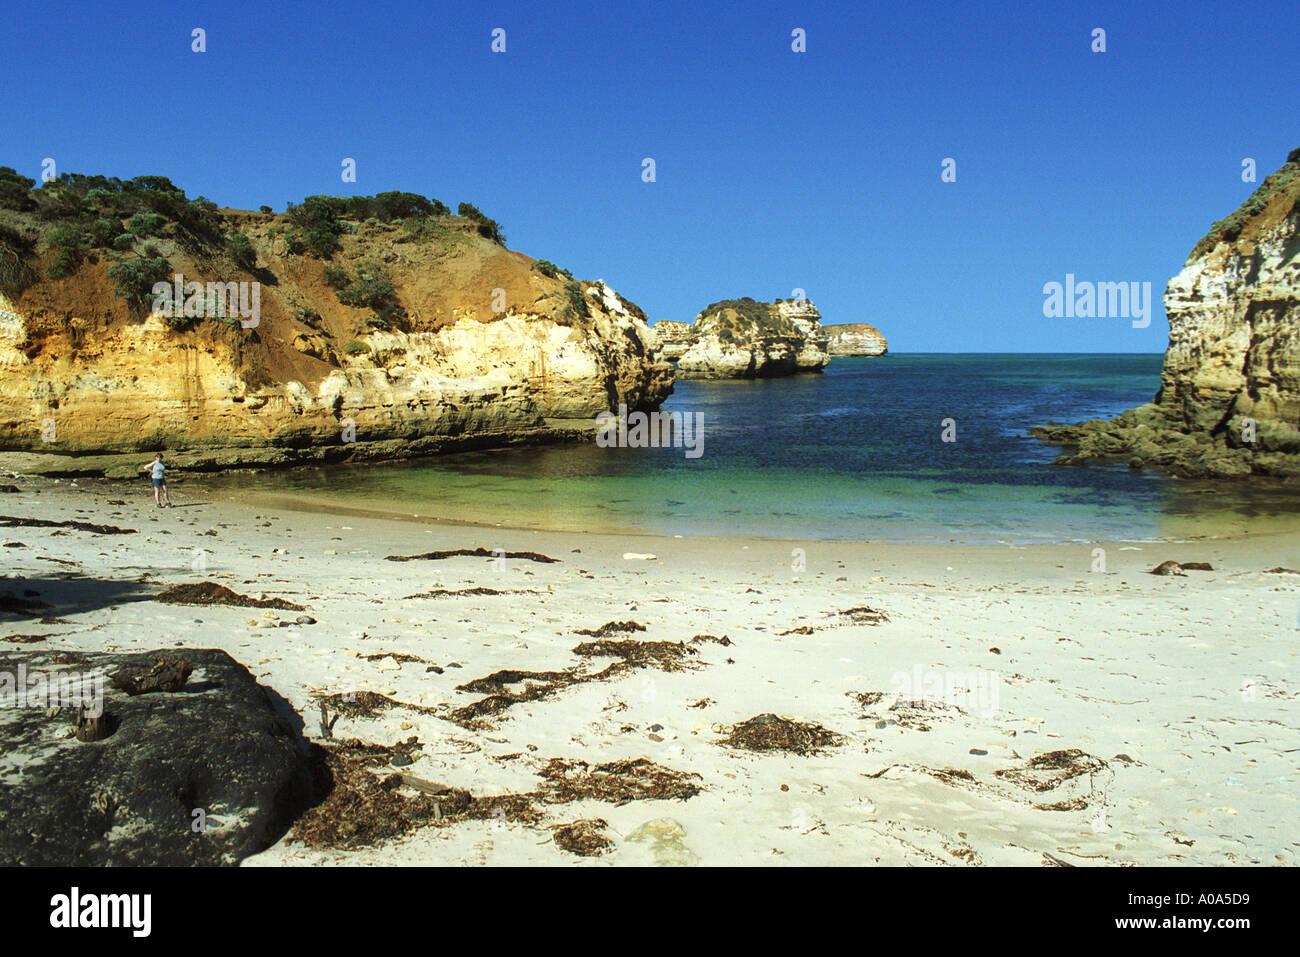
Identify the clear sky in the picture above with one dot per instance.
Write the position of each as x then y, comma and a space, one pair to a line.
775, 170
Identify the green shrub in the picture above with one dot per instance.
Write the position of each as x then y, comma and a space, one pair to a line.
144, 224
59, 202
134, 279
241, 250
370, 287
69, 249
577, 300
265, 209
15, 189
104, 231
16, 273
356, 348
488, 228
124, 242
426, 229
336, 277
63, 264
308, 317
549, 269
317, 219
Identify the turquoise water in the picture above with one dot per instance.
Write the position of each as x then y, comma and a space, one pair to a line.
854, 453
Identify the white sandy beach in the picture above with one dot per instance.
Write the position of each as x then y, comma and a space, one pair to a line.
1183, 687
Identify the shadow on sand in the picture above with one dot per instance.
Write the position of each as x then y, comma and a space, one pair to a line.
40, 596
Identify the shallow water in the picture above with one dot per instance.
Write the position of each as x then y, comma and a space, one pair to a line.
854, 453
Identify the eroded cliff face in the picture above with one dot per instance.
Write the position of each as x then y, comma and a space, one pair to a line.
855, 339
673, 338
1229, 399
313, 380
741, 338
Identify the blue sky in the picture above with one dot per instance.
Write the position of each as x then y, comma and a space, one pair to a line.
775, 170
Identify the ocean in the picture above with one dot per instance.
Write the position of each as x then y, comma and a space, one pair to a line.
857, 452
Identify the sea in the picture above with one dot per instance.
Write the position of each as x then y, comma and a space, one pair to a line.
898, 448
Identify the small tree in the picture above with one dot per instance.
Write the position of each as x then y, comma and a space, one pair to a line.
134, 280
488, 228
68, 247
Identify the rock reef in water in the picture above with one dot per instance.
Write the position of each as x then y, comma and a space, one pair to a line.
742, 338
856, 339
1229, 398
418, 332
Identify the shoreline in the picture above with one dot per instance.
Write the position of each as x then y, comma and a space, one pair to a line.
307, 504
1146, 674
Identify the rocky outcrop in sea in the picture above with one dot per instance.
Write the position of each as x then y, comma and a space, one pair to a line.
742, 338
855, 339
1229, 398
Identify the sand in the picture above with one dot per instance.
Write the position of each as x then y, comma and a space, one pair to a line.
1176, 692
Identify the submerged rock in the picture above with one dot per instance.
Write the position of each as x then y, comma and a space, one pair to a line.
1229, 398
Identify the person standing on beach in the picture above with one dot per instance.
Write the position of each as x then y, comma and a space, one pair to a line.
158, 473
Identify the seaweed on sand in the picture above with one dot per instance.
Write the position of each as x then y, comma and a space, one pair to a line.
361, 809
366, 704
583, 838
616, 782
536, 685
1046, 772
14, 521
470, 592
863, 615
611, 628
701, 639
770, 732
665, 655
210, 593
398, 656
472, 553
630, 655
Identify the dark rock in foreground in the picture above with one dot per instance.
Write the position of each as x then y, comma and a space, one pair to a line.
216, 746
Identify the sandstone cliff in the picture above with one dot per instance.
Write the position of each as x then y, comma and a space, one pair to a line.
856, 339
411, 335
741, 338
1229, 398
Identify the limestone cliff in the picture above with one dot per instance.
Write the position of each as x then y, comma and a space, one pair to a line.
1229, 398
673, 338
856, 339
741, 338
411, 336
